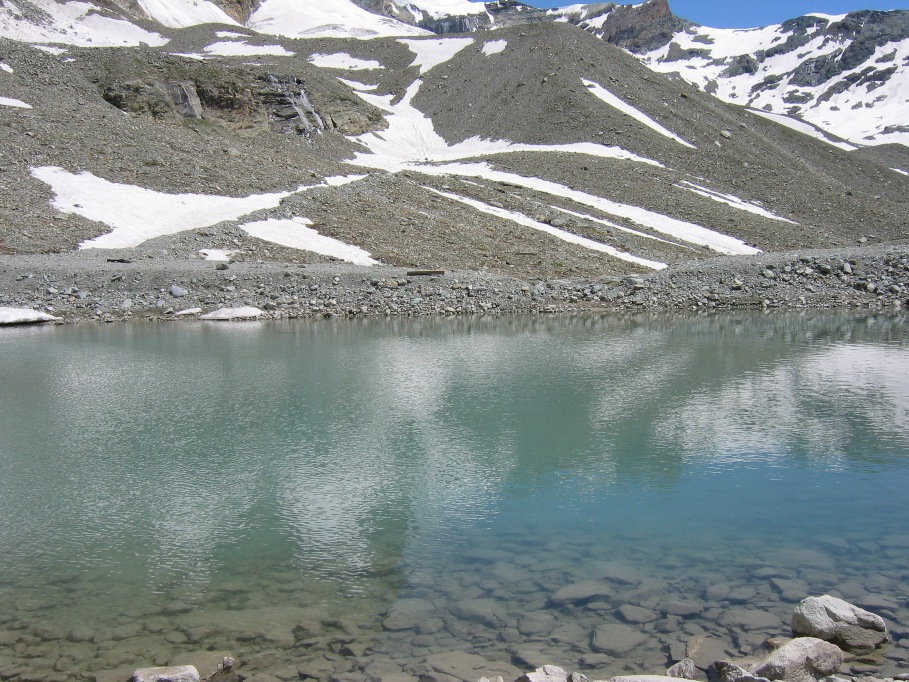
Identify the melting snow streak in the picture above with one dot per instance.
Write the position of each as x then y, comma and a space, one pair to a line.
296, 234
602, 93
549, 229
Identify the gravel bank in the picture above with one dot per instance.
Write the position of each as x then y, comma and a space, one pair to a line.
115, 286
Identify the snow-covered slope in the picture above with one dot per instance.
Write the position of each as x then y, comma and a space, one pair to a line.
847, 74
326, 18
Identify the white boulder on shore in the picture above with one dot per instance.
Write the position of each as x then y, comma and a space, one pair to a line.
804, 659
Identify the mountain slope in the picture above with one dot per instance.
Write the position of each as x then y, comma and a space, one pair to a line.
533, 149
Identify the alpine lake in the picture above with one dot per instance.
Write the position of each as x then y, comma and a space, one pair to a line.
383, 500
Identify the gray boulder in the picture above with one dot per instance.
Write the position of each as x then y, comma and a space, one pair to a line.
805, 659
730, 672
684, 669
838, 621
174, 673
548, 673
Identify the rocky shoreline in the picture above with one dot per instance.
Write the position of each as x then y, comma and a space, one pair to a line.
826, 632
111, 286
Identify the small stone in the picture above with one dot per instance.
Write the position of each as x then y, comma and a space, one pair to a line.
178, 292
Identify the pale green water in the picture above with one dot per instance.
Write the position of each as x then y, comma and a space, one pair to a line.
406, 488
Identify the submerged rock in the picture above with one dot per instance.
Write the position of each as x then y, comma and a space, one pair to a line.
177, 673
805, 659
838, 621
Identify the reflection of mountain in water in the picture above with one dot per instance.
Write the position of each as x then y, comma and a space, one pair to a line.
341, 449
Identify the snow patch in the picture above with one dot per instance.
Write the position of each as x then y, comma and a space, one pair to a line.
354, 85
565, 236
492, 47
243, 49
617, 103
10, 102
342, 60
731, 200
6, 67
410, 138
220, 255
228, 314
296, 234
137, 214
325, 19
679, 229
231, 35
71, 23
185, 13
430, 53
25, 316
439, 9
803, 127
900, 170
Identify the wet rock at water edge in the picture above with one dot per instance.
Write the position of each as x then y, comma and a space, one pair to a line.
725, 671
804, 659
548, 673
684, 669
835, 620
178, 673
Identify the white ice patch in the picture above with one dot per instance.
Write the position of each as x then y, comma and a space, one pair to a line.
137, 214
731, 200
439, 9
616, 102
341, 180
25, 316
342, 60
900, 170
230, 35
296, 234
354, 85
6, 67
241, 48
228, 314
184, 13
679, 229
190, 55
325, 19
492, 47
220, 255
410, 138
10, 102
521, 219
803, 127
430, 53
72, 23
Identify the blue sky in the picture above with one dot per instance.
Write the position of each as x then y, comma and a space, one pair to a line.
726, 14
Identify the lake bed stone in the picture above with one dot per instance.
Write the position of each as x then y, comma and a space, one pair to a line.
615, 639
804, 659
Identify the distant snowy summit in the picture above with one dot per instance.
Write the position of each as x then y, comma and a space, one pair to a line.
845, 74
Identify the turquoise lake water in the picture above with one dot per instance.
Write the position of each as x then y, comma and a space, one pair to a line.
355, 500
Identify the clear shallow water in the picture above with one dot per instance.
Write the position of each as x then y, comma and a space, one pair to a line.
348, 499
